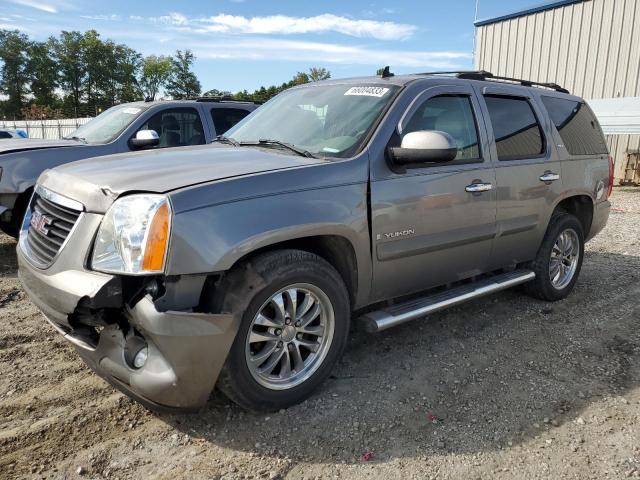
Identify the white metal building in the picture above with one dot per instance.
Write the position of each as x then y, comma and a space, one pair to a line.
590, 47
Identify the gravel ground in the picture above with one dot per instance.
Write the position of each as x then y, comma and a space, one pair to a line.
503, 387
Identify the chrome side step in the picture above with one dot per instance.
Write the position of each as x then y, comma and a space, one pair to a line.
404, 312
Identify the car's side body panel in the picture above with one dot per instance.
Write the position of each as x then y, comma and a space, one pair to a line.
586, 176
524, 202
328, 199
427, 230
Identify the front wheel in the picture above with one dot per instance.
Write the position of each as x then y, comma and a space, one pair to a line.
559, 259
12, 227
295, 321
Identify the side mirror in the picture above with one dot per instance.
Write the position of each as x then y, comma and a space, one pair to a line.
145, 139
424, 146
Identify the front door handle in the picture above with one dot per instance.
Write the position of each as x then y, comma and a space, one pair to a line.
549, 177
478, 187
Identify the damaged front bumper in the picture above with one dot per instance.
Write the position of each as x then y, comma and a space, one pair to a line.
185, 350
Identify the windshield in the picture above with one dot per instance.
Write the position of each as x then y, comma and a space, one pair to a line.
325, 120
108, 125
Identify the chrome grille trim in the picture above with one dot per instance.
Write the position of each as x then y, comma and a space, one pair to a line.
42, 248
59, 199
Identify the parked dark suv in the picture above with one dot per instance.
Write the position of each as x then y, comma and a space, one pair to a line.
241, 263
123, 128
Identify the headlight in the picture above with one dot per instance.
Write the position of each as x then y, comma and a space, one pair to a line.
134, 236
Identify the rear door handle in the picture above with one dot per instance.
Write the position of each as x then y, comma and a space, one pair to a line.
478, 187
549, 177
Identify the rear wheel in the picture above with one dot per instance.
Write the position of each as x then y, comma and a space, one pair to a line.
559, 260
295, 321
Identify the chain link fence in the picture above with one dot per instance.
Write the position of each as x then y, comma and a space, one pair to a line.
47, 129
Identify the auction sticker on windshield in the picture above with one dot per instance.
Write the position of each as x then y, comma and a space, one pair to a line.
367, 91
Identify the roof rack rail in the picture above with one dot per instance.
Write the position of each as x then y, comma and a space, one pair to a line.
223, 99
484, 75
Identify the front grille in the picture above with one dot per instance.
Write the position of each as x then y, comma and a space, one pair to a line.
46, 237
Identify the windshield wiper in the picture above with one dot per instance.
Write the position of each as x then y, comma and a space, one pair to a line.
229, 140
267, 141
75, 137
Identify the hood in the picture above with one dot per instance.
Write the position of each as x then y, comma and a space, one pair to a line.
96, 182
18, 145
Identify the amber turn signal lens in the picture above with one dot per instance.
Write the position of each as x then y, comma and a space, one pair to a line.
157, 238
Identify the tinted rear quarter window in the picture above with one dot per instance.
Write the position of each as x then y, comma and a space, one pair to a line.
5, 135
225, 118
515, 127
577, 126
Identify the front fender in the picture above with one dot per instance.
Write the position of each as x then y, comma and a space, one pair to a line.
213, 239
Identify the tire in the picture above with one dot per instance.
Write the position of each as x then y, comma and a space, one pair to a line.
544, 287
266, 284
12, 228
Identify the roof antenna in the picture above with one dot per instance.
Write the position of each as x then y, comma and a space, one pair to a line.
386, 73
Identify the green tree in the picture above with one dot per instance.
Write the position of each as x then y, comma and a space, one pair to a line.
155, 74
42, 70
183, 83
69, 54
214, 92
117, 81
100, 65
265, 93
13, 74
125, 84
318, 73
299, 79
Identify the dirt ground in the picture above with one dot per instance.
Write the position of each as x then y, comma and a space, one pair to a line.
503, 387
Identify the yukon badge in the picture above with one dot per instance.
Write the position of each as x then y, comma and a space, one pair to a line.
40, 222
402, 233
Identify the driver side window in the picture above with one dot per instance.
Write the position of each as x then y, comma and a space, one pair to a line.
176, 127
452, 114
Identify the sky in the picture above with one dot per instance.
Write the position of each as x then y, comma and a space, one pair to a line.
244, 44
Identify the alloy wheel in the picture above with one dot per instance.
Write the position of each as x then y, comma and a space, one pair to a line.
290, 336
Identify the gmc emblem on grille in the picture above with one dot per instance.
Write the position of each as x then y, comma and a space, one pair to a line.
40, 222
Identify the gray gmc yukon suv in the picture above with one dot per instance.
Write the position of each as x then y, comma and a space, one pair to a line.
240, 264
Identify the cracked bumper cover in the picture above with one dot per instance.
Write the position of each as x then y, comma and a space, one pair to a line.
186, 350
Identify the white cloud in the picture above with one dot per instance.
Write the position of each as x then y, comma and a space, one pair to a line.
283, 24
13, 26
216, 43
173, 18
275, 49
113, 17
37, 5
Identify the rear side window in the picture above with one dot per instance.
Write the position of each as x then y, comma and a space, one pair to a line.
5, 135
452, 114
515, 127
576, 125
225, 118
